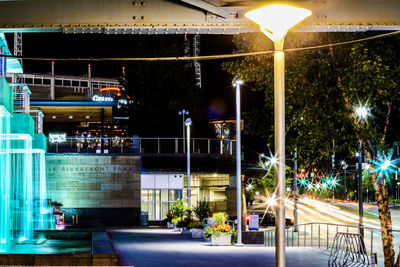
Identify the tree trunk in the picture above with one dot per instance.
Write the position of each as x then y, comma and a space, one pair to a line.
381, 194
385, 220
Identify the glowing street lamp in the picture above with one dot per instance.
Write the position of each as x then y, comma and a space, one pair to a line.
249, 187
362, 112
303, 182
183, 112
275, 21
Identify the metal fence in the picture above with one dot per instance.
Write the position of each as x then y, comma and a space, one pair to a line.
143, 145
322, 235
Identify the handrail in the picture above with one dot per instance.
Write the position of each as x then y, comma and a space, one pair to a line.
320, 234
149, 138
336, 224
141, 145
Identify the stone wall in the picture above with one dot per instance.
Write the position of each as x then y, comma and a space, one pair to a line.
94, 183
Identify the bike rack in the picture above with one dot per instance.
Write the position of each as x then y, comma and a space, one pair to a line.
348, 250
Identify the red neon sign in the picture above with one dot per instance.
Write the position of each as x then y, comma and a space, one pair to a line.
111, 89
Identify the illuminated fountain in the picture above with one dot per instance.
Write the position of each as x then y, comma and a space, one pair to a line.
23, 199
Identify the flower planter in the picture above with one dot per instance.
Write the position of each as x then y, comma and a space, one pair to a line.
197, 233
185, 231
222, 240
170, 225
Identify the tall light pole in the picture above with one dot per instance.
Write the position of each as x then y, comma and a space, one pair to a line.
188, 123
295, 191
237, 83
344, 166
183, 112
362, 113
275, 21
360, 191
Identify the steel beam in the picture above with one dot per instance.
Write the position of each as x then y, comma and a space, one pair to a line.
186, 16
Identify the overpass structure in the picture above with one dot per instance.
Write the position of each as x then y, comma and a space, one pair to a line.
50, 86
186, 16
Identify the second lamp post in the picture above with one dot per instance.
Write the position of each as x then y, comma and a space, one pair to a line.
188, 123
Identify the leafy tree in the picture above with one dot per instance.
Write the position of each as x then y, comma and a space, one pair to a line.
323, 86
313, 110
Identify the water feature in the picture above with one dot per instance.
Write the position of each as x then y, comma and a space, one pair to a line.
24, 206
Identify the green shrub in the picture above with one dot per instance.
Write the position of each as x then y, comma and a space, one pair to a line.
220, 218
202, 210
179, 209
196, 225
170, 216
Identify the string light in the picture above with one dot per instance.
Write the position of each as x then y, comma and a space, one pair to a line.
211, 57
384, 165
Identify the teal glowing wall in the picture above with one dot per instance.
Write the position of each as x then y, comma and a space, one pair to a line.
6, 96
24, 206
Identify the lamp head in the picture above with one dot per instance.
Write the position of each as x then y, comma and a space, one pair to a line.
183, 111
276, 20
188, 122
237, 81
362, 112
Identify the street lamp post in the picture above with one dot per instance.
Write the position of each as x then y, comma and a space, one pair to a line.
188, 123
295, 191
360, 192
362, 112
275, 21
183, 112
344, 166
237, 84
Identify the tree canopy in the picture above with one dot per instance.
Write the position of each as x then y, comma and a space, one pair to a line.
322, 88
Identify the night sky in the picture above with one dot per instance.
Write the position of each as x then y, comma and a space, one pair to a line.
216, 83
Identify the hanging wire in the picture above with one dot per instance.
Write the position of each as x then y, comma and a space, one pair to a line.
210, 57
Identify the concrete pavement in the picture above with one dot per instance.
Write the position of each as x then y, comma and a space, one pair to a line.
164, 247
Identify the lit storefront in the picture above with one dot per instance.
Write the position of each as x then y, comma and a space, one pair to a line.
210, 187
160, 191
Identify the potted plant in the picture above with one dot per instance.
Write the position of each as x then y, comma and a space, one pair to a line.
170, 217
181, 214
202, 210
196, 228
221, 233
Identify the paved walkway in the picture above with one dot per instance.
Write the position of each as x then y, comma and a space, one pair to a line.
163, 247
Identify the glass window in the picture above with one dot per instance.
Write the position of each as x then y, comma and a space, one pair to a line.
147, 195
157, 212
157, 195
150, 210
164, 210
145, 206
164, 195
175, 194
158, 202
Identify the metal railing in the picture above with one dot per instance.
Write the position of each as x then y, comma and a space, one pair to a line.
143, 145
322, 235
68, 81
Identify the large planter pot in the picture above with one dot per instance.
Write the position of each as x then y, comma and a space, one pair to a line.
170, 225
197, 233
222, 240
